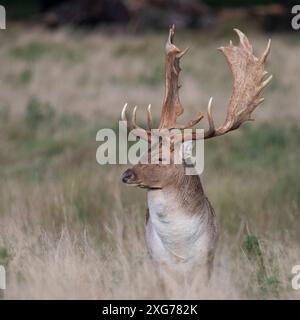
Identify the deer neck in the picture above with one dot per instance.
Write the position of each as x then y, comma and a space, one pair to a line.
185, 196
179, 220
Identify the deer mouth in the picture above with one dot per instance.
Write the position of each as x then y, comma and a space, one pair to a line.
142, 186
132, 184
129, 177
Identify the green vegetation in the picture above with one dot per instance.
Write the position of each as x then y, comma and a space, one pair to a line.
4, 256
69, 228
268, 285
34, 51
59, 150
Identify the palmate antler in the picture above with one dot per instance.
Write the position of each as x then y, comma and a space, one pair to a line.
172, 107
248, 81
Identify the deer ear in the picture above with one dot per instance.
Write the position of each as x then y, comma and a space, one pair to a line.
186, 149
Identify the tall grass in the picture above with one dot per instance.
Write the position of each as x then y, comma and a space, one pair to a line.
70, 229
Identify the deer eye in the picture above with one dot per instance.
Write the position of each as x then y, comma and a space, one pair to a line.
160, 160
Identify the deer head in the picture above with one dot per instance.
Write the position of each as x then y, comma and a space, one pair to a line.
248, 73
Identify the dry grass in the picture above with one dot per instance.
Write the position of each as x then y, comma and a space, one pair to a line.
69, 229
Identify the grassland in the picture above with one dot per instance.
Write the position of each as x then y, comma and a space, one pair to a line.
70, 229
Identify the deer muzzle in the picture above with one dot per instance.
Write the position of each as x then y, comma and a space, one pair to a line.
129, 177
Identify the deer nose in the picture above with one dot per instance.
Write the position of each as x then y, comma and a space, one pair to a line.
128, 175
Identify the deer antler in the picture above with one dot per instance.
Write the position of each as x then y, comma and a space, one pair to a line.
136, 130
172, 107
248, 81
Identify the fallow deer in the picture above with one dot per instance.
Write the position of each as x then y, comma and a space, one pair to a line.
181, 226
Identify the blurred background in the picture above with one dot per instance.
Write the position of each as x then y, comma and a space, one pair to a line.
141, 15
68, 227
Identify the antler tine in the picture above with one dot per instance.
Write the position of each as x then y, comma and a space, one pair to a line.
149, 117
136, 130
133, 119
171, 34
123, 113
244, 40
195, 135
182, 53
191, 123
211, 128
211, 124
266, 52
267, 81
